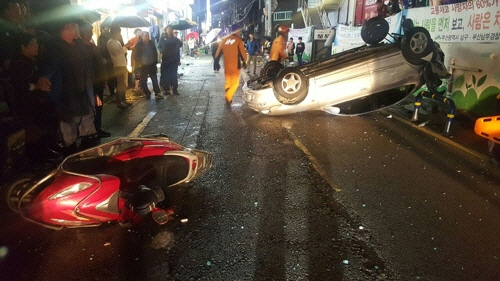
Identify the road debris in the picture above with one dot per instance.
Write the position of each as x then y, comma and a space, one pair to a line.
162, 240
423, 123
3, 252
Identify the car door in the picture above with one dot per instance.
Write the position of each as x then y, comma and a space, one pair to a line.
343, 84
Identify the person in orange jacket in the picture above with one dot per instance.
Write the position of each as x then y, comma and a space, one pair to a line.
279, 44
233, 50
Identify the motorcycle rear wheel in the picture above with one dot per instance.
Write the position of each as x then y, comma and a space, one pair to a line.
15, 189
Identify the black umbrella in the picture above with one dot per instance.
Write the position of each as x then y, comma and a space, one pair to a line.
129, 21
66, 14
182, 24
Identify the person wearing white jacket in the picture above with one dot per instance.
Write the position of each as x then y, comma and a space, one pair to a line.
117, 52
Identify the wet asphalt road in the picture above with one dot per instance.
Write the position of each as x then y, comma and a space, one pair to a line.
302, 197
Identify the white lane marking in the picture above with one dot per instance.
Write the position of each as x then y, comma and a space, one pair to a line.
296, 225
138, 130
317, 166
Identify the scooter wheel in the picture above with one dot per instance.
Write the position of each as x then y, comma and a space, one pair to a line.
15, 189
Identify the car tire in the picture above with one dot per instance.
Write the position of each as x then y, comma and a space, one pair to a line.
417, 44
374, 30
12, 191
271, 69
290, 86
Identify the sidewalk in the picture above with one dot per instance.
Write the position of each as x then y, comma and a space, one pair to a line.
432, 120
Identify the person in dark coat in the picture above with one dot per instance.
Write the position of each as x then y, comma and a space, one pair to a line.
299, 50
146, 58
69, 68
171, 59
214, 47
10, 27
99, 76
30, 105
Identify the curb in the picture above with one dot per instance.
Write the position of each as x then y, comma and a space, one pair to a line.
444, 139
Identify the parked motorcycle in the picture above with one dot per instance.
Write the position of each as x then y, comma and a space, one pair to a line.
121, 180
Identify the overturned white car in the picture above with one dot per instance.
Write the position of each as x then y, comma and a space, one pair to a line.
357, 81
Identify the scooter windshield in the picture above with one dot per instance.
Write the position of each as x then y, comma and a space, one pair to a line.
89, 159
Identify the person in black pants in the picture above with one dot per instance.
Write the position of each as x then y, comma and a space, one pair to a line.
146, 58
299, 50
99, 77
171, 59
214, 47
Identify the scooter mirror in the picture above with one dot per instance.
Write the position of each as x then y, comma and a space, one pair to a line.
160, 216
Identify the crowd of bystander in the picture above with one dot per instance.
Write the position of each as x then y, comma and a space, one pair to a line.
53, 76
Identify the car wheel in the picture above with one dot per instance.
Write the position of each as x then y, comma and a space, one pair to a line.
374, 30
290, 86
271, 68
417, 44
14, 190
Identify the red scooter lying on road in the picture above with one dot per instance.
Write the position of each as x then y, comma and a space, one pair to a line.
121, 180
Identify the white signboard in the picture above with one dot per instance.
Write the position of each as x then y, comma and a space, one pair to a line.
348, 36
322, 34
305, 33
474, 21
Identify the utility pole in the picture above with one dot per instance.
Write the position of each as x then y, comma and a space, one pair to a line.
269, 18
209, 16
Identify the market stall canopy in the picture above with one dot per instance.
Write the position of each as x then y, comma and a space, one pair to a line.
182, 24
129, 21
211, 35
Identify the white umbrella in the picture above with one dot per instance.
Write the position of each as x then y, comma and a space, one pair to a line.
211, 35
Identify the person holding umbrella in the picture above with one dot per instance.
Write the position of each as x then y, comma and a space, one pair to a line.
135, 70
233, 49
192, 45
214, 47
